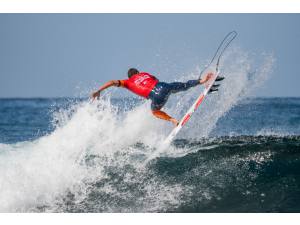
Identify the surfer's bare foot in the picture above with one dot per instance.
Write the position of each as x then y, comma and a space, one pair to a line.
206, 78
174, 121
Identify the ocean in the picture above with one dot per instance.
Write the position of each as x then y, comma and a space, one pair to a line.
70, 155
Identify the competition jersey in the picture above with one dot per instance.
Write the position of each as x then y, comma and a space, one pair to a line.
141, 84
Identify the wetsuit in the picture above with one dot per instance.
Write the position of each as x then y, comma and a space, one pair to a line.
148, 86
161, 92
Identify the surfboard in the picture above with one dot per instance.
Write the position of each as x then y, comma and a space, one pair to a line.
193, 108
212, 67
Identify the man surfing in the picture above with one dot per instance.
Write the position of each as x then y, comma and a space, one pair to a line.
149, 87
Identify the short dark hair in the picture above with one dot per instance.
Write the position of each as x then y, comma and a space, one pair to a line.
132, 71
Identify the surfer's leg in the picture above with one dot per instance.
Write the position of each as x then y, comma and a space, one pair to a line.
156, 106
179, 86
164, 116
159, 96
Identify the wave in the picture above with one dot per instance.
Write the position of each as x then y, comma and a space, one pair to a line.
93, 159
227, 174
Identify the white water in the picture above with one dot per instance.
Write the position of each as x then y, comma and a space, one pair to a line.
39, 173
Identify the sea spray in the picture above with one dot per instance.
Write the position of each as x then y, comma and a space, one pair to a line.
89, 139
242, 77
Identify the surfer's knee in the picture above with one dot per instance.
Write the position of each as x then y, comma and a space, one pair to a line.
156, 112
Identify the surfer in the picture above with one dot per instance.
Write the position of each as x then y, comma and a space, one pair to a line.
149, 87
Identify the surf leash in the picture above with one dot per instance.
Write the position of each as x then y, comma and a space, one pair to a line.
219, 52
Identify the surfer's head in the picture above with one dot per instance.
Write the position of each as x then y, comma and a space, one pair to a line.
132, 71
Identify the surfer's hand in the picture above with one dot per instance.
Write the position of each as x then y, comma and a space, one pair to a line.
95, 95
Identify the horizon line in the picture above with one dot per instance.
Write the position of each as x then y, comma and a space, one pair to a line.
63, 97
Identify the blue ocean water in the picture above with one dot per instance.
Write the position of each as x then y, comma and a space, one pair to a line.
29, 119
67, 155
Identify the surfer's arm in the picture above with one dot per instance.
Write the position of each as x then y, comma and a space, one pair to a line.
116, 83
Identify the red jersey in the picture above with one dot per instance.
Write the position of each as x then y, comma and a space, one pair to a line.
140, 84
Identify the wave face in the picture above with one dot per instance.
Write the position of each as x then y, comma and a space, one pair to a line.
236, 154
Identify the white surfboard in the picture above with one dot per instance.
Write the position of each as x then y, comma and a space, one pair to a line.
193, 108
213, 68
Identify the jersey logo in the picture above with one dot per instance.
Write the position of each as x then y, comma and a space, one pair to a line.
141, 79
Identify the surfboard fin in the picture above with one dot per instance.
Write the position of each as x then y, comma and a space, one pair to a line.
212, 90
219, 78
215, 85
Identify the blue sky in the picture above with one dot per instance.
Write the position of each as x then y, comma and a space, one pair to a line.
56, 55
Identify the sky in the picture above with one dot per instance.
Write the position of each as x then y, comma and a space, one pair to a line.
59, 55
